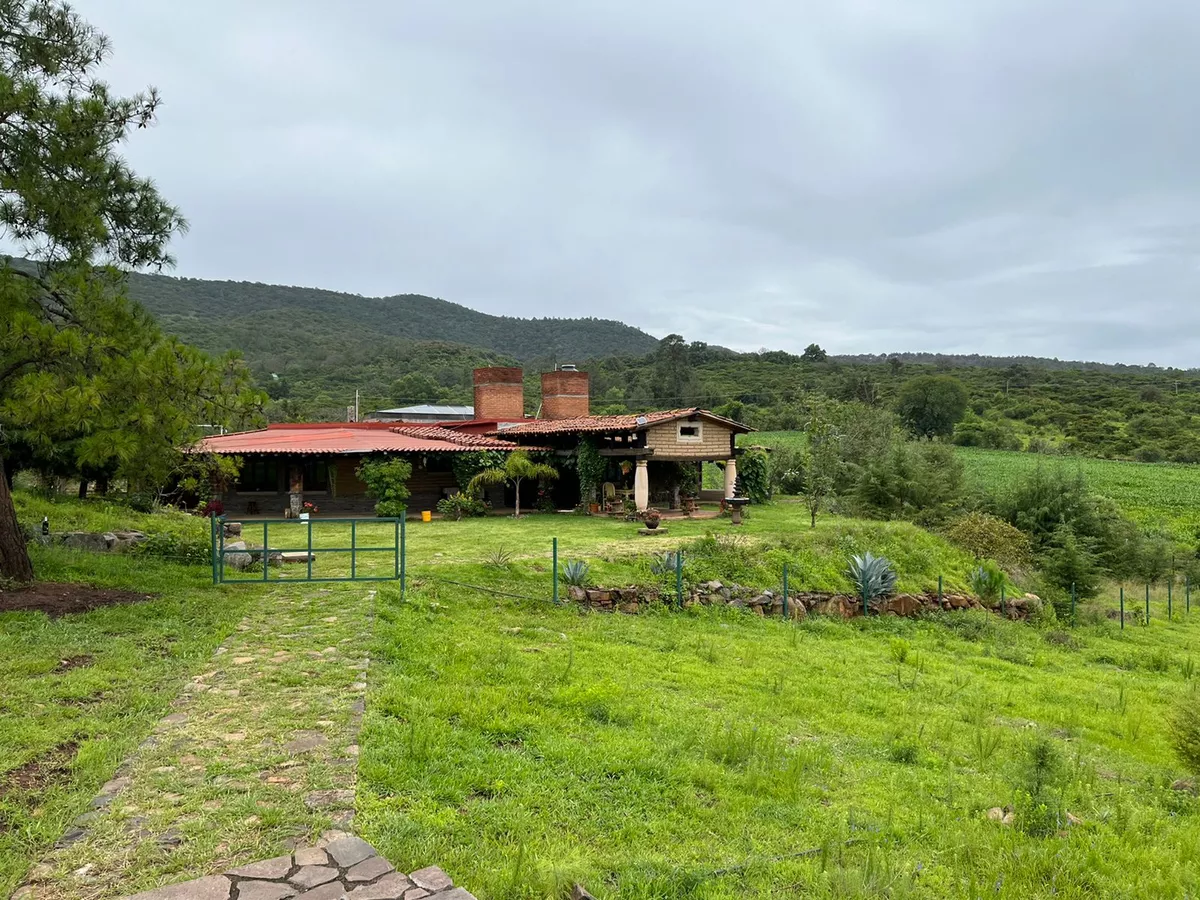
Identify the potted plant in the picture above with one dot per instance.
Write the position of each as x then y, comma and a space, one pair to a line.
308, 510
652, 517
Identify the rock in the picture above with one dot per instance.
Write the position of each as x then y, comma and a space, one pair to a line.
579, 892
265, 890
350, 851
903, 605
712, 586
431, 879
89, 541
1004, 816
369, 869
311, 876
330, 799
332, 890
797, 611
236, 556
268, 868
311, 856
577, 593
389, 887
233, 529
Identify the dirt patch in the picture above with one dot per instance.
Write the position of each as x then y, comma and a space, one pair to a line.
63, 599
73, 662
40, 772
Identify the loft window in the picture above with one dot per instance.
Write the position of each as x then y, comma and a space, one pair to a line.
691, 432
259, 474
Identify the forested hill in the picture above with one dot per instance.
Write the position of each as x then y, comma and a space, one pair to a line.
223, 315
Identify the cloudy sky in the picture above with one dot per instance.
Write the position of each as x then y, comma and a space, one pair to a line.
1000, 176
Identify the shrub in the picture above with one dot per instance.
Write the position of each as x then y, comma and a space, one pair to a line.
987, 580
575, 573
754, 479
665, 564
1070, 561
190, 549
590, 466
990, 537
873, 576
462, 505
387, 482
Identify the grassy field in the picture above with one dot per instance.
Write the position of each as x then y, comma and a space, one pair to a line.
704, 754
697, 755
82, 690
1164, 496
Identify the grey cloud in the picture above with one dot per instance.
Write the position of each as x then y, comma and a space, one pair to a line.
1005, 176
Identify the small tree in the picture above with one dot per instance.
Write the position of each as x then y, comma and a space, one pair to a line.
821, 461
814, 353
754, 478
387, 482
989, 537
932, 405
515, 470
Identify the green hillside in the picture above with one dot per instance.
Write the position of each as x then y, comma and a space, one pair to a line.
267, 320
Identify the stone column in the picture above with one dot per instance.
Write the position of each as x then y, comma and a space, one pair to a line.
641, 486
296, 491
730, 478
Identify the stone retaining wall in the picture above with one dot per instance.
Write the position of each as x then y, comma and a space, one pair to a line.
800, 603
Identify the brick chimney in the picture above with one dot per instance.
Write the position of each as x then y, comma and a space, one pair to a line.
499, 394
565, 394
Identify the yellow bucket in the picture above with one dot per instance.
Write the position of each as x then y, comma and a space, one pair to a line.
426, 515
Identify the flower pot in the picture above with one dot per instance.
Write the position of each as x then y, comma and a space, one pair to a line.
652, 524
593, 508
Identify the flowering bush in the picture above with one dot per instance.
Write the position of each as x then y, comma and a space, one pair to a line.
310, 508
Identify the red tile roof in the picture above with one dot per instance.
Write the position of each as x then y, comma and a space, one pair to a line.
469, 440
346, 438
633, 422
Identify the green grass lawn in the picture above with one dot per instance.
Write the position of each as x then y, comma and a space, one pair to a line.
68, 726
526, 747
706, 753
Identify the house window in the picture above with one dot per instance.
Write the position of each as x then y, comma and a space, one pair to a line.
691, 432
259, 475
316, 475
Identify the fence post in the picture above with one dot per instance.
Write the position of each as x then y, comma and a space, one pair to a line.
1187, 593
353, 548
554, 552
266, 553
1169, 597
941, 605
785, 592
403, 555
864, 592
1122, 607
310, 554
1074, 619
212, 531
679, 577
1147, 604
1003, 605
396, 557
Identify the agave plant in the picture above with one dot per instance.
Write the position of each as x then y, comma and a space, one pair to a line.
665, 564
987, 580
575, 573
499, 558
872, 575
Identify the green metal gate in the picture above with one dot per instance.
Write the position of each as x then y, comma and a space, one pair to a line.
311, 549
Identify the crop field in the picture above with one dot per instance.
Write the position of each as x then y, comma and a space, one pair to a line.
1162, 496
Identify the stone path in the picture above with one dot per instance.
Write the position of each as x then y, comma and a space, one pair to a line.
258, 758
346, 869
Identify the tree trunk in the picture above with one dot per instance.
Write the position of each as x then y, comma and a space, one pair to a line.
83, 486
14, 557
517, 499
102, 485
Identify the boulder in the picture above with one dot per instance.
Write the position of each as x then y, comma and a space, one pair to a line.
89, 540
127, 540
236, 556
797, 611
903, 605
835, 606
233, 529
577, 593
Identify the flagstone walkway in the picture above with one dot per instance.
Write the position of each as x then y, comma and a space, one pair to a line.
258, 759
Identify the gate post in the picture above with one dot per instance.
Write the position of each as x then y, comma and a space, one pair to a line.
403, 555
212, 533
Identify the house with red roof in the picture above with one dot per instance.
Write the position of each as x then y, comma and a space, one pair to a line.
653, 458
